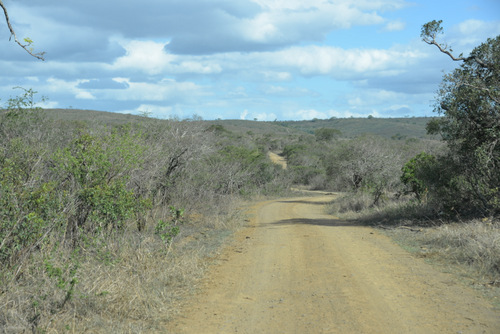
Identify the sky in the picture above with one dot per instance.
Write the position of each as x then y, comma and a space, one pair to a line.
260, 60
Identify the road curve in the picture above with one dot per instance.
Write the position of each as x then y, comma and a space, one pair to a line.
298, 270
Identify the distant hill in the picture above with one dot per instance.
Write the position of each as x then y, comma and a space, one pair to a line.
397, 128
91, 115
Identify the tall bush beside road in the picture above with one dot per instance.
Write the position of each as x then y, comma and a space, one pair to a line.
94, 172
469, 101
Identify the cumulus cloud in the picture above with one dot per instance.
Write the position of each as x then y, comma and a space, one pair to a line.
342, 63
286, 59
151, 58
147, 56
308, 114
395, 26
83, 95
158, 111
60, 86
265, 117
104, 83
470, 33
167, 90
192, 26
287, 22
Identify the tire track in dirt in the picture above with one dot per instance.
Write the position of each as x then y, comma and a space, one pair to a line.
297, 270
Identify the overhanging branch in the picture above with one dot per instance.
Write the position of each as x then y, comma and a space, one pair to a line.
444, 50
448, 52
26, 47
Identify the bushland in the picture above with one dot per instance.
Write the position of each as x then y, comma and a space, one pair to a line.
103, 227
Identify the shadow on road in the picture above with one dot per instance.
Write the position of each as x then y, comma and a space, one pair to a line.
318, 222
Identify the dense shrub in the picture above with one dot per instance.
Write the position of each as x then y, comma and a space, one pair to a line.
69, 190
469, 99
94, 172
418, 175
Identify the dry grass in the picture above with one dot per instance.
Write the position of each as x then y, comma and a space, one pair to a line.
470, 249
133, 284
391, 211
350, 205
474, 243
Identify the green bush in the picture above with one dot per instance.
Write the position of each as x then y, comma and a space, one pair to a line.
468, 100
417, 173
326, 134
94, 171
169, 229
29, 206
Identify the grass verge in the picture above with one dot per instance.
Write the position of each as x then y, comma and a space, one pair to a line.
133, 282
470, 249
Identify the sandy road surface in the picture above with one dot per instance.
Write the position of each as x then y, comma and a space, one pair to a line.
297, 270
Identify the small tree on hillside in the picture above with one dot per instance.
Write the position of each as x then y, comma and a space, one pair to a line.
326, 134
469, 100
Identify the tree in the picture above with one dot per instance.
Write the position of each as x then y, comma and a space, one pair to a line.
28, 47
429, 33
326, 134
367, 163
469, 101
415, 174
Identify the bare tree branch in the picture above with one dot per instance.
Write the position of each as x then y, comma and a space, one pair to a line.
429, 32
27, 47
444, 50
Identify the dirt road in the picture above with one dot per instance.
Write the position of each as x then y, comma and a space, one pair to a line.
297, 270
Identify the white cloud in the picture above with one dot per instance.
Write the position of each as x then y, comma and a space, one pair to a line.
265, 117
244, 114
285, 22
156, 110
163, 90
48, 104
199, 68
320, 60
83, 95
308, 114
470, 33
147, 56
60, 86
276, 76
219, 57
395, 26
353, 113
151, 58
372, 97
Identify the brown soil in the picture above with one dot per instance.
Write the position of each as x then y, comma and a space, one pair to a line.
298, 270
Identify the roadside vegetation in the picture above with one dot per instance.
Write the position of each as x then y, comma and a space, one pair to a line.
104, 227
107, 221
448, 202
